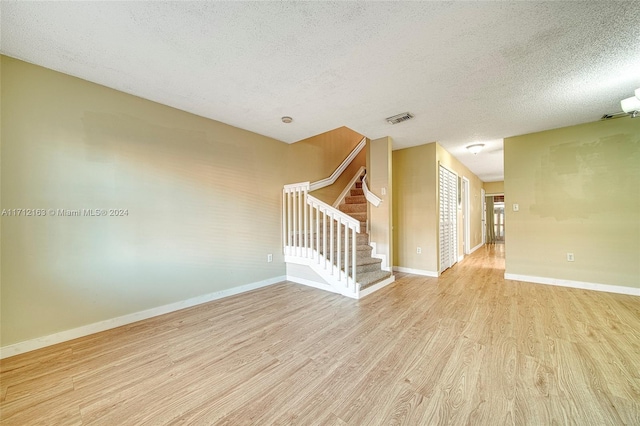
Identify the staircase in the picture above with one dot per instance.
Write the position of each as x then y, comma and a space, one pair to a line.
368, 268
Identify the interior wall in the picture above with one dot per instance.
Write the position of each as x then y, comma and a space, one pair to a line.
317, 157
202, 202
494, 187
578, 191
380, 182
415, 209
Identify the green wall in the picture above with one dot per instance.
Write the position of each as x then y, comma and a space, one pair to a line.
578, 191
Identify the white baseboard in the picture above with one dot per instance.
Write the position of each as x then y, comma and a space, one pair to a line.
63, 336
461, 258
574, 284
476, 248
416, 271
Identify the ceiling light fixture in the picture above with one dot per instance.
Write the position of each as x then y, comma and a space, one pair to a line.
475, 148
287, 119
632, 105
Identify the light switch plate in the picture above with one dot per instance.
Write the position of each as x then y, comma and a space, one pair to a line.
516, 207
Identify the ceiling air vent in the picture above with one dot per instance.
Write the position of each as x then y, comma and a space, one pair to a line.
399, 118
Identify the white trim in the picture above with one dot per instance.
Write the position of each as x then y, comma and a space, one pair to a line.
314, 284
341, 168
347, 189
332, 276
326, 208
293, 186
476, 248
85, 330
461, 258
370, 196
574, 284
416, 271
384, 266
377, 286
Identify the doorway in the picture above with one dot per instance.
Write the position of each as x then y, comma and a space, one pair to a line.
495, 218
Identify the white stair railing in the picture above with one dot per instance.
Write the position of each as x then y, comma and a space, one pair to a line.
320, 235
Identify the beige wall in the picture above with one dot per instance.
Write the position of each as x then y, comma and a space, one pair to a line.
578, 190
379, 177
317, 157
494, 187
415, 209
203, 201
415, 219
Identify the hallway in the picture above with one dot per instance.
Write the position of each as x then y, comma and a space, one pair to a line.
468, 347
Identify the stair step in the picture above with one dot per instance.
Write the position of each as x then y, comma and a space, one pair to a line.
368, 279
357, 191
355, 199
358, 184
353, 208
361, 216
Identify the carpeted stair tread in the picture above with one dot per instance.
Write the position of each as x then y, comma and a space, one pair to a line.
358, 191
368, 279
353, 208
355, 199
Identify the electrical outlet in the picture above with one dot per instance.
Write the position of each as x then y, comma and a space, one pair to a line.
419, 250
516, 207
570, 257
269, 257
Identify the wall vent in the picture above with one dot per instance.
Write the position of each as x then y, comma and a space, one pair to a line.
399, 118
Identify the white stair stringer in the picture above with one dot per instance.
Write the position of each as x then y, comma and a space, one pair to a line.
331, 282
327, 279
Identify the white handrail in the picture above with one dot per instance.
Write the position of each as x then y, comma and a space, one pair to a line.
341, 168
370, 196
326, 208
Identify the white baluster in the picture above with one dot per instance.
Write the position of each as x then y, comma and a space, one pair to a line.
324, 238
353, 254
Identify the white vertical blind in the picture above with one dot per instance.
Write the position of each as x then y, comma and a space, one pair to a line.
448, 190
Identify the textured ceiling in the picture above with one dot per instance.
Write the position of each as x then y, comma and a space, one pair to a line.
472, 71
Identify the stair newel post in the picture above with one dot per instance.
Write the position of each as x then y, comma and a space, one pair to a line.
338, 252
289, 224
353, 256
332, 221
315, 207
346, 255
324, 239
300, 221
305, 214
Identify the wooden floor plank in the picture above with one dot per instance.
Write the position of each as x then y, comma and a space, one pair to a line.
468, 347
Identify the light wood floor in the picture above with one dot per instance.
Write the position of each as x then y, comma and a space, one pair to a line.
467, 348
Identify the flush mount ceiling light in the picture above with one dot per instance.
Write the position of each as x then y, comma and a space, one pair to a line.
632, 105
287, 119
475, 148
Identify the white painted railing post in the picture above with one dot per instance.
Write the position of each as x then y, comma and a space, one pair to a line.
353, 260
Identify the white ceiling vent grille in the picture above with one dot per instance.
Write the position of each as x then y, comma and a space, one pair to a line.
399, 118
